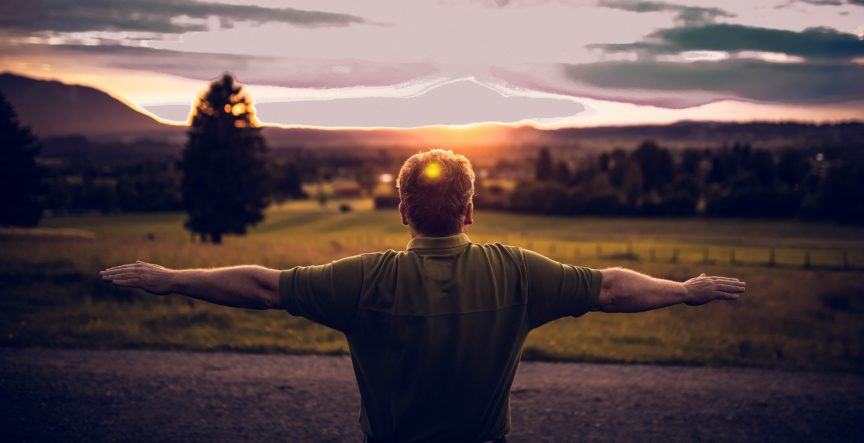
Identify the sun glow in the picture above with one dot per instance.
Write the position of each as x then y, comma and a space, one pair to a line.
433, 170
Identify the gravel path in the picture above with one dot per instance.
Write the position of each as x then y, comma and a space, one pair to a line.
113, 395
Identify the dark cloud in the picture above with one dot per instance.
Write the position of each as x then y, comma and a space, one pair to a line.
292, 72
743, 79
158, 16
823, 2
812, 43
684, 14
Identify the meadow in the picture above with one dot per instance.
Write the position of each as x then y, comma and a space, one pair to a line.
804, 308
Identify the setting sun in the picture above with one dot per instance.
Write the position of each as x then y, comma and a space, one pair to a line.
433, 170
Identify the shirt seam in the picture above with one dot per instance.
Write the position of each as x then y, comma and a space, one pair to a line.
462, 236
438, 247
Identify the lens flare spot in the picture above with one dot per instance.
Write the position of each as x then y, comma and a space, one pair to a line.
433, 170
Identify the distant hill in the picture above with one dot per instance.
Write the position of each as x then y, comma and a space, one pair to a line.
706, 134
676, 135
77, 115
52, 108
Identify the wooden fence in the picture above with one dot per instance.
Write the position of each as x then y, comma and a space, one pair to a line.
843, 259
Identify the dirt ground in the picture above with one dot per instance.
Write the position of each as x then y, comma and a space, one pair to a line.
145, 396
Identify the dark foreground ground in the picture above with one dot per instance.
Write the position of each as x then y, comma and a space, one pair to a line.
85, 395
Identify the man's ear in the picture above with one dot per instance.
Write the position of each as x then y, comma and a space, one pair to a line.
469, 213
403, 214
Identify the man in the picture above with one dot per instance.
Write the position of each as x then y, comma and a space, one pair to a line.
435, 331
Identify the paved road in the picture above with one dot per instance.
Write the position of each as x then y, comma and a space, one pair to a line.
88, 395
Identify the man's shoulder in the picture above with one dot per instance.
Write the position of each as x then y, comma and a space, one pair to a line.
499, 246
497, 251
524, 258
370, 260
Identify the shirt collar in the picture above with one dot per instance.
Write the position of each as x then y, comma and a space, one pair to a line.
451, 241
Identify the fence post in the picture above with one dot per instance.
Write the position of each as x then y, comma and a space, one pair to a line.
772, 258
732, 257
599, 250
652, 254
705, 253
630, 248
675, 255
807, 264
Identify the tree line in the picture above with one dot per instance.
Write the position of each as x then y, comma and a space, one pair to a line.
737, 181
224, 179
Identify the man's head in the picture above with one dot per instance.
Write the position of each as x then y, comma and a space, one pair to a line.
435, 192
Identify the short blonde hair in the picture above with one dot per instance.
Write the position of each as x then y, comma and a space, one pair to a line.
435, 188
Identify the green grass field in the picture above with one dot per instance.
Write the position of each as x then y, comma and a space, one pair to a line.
792, 317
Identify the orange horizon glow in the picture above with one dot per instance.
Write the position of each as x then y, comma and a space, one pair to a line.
603, 112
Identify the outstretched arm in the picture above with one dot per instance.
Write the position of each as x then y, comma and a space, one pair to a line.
624, 290
253, 287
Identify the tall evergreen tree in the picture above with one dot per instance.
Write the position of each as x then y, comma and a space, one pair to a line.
225, 182
20, 189
657, 165
562, 173
543, 170
792, 167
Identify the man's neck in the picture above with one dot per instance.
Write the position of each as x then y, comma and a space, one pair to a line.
417, 234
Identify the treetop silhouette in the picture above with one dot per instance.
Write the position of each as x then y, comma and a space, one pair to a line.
225, 183
20, 188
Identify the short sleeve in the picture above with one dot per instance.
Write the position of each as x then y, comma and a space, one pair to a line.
558, 290
326, 294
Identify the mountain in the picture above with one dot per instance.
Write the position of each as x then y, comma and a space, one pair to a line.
75, 116
52, 108
434, 106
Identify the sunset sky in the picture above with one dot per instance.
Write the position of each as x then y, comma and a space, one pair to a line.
347, 63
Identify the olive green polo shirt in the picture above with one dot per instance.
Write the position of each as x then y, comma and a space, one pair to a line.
436, 331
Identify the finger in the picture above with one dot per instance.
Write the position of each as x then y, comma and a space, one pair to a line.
146, 264
116, 270
731, 289
126, 266
114, 274
724, 279
726, 295
702, 274
730, 283
123, 276
128, 283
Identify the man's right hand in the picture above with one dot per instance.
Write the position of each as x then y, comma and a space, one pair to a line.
245, 286
147, 276
707, 288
